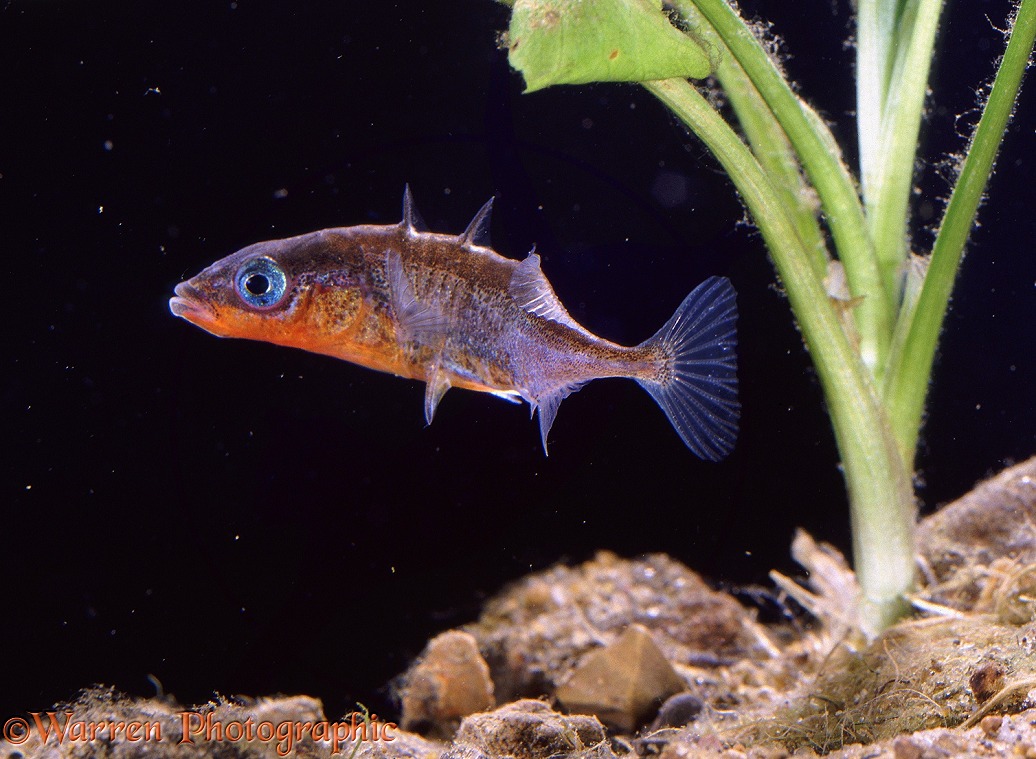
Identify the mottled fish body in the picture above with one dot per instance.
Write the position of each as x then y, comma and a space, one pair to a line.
450, 311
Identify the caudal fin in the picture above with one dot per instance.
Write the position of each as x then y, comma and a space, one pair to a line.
697, 384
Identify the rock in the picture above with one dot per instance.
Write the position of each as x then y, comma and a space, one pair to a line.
986, 681
917, 674
904, 748
449, 681
990, 725
623, 683
529, 729
537, 630
677, 711
995, 522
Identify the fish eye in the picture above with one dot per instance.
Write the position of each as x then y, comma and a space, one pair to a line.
261, 283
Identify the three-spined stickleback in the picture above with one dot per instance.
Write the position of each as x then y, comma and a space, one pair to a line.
452, 312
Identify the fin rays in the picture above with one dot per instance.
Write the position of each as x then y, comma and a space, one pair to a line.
697, 385
533, 292
414, 320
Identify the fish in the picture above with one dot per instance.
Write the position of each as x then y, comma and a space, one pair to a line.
450, 311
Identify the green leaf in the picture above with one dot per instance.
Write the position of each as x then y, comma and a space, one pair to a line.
581, 41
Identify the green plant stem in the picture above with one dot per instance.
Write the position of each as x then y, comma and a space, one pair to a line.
875, 22
888, 178
767, 139
821, 159
880, 495
911, 366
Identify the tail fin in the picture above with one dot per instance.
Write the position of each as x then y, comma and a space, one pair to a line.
697, 384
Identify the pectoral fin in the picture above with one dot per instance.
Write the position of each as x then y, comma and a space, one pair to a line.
414, 320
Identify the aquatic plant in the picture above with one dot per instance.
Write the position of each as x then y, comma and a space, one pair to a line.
870, 308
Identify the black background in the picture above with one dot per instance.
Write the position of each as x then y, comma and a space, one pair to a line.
241, 518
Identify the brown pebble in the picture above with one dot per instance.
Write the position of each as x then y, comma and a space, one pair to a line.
529, 729
450, 681
986, 681
991, 724
904, 748
623, 682
677, 711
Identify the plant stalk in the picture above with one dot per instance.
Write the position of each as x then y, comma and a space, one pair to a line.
874, 38
821, 158
765, 136
911, 365
888, 178
880, 495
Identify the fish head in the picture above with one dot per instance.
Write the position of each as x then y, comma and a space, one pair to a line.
289, 292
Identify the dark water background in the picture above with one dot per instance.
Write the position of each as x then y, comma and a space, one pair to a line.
243, 518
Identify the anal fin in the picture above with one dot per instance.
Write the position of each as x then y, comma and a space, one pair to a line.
547, 406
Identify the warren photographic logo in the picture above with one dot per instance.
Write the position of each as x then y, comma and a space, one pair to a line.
189, 727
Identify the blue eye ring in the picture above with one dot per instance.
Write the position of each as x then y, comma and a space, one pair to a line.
261, 283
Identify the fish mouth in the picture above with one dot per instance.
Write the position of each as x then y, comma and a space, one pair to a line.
189, 304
